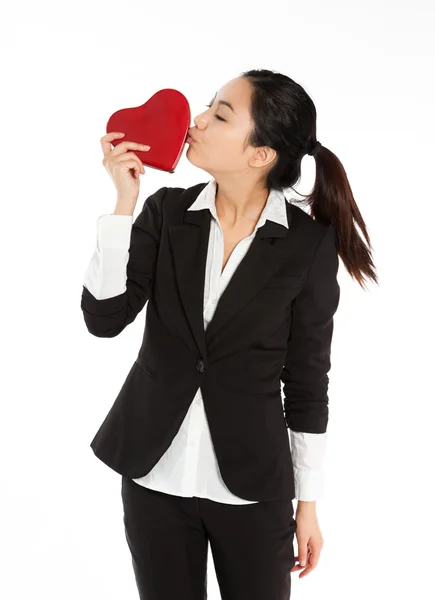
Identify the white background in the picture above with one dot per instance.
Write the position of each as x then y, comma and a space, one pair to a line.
65, 68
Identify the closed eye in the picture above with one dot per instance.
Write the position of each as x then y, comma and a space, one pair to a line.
217, 116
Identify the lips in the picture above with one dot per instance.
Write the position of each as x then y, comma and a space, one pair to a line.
190, 135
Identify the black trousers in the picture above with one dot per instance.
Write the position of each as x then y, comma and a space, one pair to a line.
168, 536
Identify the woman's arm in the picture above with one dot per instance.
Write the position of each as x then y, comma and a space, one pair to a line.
307, 364
118, 278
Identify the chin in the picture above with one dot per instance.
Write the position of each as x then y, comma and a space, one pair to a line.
190, 159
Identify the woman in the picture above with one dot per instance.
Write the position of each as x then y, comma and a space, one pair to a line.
204, 453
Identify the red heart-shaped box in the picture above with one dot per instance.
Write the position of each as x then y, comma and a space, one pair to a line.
162, 123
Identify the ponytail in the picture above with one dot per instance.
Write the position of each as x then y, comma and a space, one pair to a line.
332, 203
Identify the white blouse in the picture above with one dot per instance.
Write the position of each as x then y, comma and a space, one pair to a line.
189, 466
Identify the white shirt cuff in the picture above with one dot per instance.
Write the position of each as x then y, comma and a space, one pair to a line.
308, 456
114, 231
106, 274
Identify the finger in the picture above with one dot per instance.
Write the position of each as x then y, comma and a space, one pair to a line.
106, 140
313, 559
314, 556
129, 156
132, 164
302, 556
296, 568
307, 570
124, 146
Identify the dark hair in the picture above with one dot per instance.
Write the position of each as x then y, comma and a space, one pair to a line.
284, 119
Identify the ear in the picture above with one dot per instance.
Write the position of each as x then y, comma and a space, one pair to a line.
263, 156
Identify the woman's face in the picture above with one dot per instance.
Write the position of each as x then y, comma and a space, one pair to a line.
220, 132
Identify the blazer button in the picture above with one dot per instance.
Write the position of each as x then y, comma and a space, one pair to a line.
200, 366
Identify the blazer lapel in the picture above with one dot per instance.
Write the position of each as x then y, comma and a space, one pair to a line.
261, 261
189, 242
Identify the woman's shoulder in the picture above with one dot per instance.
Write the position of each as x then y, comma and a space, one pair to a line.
169, 199
302, 221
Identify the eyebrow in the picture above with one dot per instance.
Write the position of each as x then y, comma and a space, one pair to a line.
224, 102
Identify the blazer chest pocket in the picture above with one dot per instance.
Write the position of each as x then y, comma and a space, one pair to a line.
285, 281
145, 368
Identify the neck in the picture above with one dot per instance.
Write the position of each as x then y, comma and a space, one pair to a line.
237, 203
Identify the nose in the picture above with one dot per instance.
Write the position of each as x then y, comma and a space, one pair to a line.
199, 120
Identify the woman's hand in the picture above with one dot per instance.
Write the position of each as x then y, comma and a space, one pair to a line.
123, 166
309, 538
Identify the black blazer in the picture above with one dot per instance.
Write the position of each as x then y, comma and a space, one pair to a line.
273, 324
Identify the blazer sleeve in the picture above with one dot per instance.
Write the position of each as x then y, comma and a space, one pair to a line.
305, 373
108, 317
